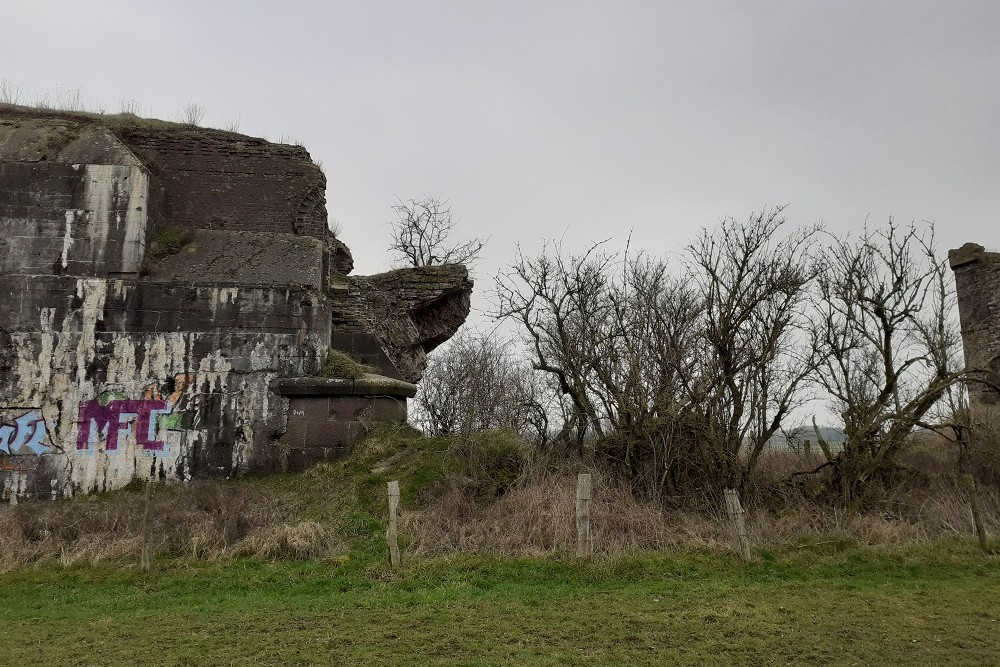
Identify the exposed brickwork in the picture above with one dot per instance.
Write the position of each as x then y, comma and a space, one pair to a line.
409, 311
977, 283
219, 180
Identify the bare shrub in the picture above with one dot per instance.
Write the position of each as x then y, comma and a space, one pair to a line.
128, 106
890, 344
753, 282
193, 113
70, 99
486, 464
612, 333
681, 377
10, 92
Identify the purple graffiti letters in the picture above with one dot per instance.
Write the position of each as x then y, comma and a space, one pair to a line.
116, 418
28, 431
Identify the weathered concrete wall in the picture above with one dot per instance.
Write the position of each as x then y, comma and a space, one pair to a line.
81, 220
328, 415
211, 179
133, 379
250, 258
44, 137
977, 284
158, 280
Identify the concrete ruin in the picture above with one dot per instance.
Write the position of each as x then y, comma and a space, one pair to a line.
977, 285
169, 298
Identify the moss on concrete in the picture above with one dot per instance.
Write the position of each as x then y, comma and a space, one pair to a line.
341, 366
162, 242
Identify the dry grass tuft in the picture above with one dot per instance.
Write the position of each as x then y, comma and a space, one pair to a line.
199, 520
537, 515
306, 540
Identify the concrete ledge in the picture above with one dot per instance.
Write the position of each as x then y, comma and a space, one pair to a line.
367, 385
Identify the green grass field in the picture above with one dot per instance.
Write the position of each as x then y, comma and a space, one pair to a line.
812, 603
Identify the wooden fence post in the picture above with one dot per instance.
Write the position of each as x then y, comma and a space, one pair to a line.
391, 535
977, 516
584, 543
735, 511
147, 529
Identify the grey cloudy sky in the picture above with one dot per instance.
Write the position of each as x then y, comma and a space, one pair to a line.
586, 119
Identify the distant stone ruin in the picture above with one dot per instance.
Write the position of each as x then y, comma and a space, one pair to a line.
977, 284
170, 300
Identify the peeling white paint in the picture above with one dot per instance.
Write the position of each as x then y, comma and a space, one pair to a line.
68, 237
46, 319
52, 367
135, 221
218, 296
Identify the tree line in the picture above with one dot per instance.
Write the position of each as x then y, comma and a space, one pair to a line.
682, 370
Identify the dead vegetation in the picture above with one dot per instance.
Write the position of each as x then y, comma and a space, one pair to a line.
479, 493
203, 520
537, 515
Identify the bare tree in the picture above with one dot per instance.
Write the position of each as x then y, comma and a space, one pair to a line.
754, 284
682, 379
478, 382
616, 335
423, 234
563, 305
891, 349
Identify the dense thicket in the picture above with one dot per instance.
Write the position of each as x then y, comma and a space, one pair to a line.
683, 371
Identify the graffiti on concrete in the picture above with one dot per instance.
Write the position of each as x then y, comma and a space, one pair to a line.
27, 433
116, 419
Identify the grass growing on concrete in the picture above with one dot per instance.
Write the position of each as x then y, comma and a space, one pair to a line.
165, 240
340, 365
935, 604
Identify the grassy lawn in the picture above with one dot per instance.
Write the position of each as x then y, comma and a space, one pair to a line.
815, 604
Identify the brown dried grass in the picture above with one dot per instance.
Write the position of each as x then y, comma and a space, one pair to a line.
475, 510
201, 520
537, 516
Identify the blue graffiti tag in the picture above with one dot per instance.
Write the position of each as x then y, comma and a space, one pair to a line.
28, 431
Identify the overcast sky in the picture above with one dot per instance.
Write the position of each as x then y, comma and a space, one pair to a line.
542, 119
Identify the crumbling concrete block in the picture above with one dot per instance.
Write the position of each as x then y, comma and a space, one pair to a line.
166, 295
